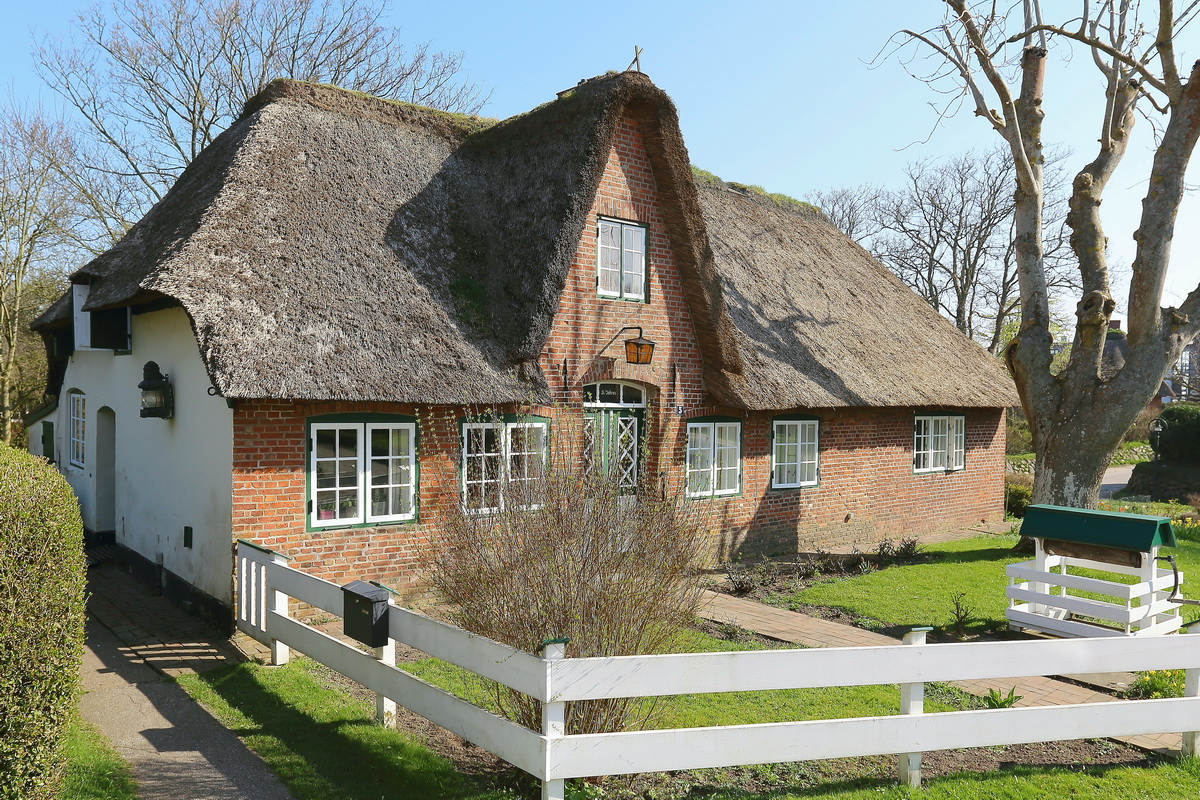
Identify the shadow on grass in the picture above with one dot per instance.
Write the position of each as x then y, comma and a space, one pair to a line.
1152, 780
324, 744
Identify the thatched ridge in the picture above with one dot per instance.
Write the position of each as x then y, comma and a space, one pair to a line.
331, 245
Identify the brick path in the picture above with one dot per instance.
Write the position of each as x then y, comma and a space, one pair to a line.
175, 748
797, 628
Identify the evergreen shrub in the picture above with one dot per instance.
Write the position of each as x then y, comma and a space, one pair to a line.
41, 623
1181, 439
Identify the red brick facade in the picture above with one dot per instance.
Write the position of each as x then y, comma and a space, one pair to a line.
867, 490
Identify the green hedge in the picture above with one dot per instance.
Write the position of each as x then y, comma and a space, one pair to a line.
1018, 491
1181, 439
41, 622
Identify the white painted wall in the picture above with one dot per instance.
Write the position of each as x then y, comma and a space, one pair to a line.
169, 473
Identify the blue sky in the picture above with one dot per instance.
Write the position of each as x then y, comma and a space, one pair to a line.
779, 94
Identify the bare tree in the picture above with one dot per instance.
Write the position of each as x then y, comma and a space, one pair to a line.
34, 205
997, 65
153, 82
948, 234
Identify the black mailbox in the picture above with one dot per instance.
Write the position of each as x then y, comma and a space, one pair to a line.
364, 613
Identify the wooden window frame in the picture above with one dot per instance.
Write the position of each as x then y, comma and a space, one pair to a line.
712, 449
504, 477
937, 451
77, 430
802, 426
621, 294
362, 458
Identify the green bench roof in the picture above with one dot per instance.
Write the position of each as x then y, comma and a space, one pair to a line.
1107, 528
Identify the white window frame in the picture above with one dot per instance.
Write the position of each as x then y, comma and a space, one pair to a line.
362, 459
807, 443
710, 460
939, 443
77, 430
622, 226
504, 476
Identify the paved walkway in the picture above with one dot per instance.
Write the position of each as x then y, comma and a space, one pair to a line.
797, 628
177, 750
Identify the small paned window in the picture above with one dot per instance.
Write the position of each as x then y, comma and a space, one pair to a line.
794, 454
78, 430
362, 473
714, 458
621, 260
939, 443
500, 462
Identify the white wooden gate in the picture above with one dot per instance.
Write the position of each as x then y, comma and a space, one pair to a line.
265, 583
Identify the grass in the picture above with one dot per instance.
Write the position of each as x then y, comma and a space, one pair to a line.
911, 595
322, 742
94, 770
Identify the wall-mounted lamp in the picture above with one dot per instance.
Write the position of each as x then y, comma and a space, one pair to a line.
638, 350
158, 400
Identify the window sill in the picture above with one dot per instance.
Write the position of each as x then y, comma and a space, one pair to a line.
345, 526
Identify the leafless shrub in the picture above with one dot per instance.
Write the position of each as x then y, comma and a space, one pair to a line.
574, 557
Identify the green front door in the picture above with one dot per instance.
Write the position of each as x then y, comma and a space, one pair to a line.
612, 442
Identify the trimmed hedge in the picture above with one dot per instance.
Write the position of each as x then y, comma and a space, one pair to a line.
42, 573
1181, 439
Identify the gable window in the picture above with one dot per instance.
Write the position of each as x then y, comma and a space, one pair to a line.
499, 462
362, 472
939, 443
794, 453
714, 458
621, 260
78, 429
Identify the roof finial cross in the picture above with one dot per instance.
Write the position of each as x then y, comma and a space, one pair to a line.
636, 64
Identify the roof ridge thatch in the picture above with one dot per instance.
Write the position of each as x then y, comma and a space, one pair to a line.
451, 124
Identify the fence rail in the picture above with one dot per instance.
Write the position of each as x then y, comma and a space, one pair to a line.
265, 582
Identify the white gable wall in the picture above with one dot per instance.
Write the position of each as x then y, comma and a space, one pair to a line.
168, 473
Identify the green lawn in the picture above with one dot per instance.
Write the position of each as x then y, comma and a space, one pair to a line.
94, 771
922, 594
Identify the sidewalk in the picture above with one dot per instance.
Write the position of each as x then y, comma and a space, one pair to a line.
176, 749
797, 628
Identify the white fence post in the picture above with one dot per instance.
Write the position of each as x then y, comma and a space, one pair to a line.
912, 701
385, 707
1191, 688
280, 652
554, 723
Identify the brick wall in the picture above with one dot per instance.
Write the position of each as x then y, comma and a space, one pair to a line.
867, 489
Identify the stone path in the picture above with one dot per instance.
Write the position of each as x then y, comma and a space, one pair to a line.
177, 750
797, 628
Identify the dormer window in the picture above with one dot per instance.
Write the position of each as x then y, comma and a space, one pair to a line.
621, 260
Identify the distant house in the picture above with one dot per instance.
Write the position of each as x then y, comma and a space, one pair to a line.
339, 285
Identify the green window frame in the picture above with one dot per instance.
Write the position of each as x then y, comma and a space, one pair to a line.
795, 453
362, 470
939, 443
500, 459
621, 259
713, 458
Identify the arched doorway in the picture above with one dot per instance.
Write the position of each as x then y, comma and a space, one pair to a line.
106, 470
614, 418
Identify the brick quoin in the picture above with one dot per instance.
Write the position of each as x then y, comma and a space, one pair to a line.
867, 489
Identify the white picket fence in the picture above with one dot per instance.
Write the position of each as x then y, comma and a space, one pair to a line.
265, 583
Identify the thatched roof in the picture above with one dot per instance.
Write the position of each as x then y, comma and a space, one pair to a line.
335, 246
